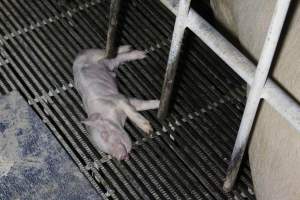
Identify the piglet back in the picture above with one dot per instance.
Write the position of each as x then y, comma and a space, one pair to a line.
87, 57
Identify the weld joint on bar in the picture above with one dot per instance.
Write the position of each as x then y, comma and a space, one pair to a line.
50, 94
195, 114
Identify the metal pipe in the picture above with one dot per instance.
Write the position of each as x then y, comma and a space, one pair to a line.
254, 97
112, 28
178, 33
272, 93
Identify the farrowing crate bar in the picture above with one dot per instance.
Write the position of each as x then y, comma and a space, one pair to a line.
257, 79
186, 159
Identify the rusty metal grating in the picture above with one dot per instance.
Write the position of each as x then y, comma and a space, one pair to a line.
188, 155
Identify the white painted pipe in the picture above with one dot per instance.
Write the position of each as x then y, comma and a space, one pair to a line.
261, 74
272, 93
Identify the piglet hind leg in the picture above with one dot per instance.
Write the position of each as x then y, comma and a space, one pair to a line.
125, 57
138, 119
141, 105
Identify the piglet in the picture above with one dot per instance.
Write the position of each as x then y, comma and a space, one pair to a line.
107, 108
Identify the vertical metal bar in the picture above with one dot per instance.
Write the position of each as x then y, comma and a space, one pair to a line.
180, 25
112, 28
255, 94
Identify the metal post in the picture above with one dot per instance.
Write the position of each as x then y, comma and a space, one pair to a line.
112, 28
255, 93
180, 25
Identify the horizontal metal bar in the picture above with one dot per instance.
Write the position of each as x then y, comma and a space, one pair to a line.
280, 100
155, 170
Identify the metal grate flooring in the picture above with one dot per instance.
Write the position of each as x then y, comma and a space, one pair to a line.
188, 154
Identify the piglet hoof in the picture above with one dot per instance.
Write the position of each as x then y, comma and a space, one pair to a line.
137, 55
147, 128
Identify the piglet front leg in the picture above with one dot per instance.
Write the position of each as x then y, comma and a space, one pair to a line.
131, 107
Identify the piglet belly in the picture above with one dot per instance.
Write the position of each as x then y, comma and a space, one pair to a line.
99, 84
98, 90
108, 108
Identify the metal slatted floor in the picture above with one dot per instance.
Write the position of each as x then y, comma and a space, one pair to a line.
187, 156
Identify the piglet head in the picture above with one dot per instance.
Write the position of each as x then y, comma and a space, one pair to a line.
108, 136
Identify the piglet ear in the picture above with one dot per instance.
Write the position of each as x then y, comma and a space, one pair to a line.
91, 120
